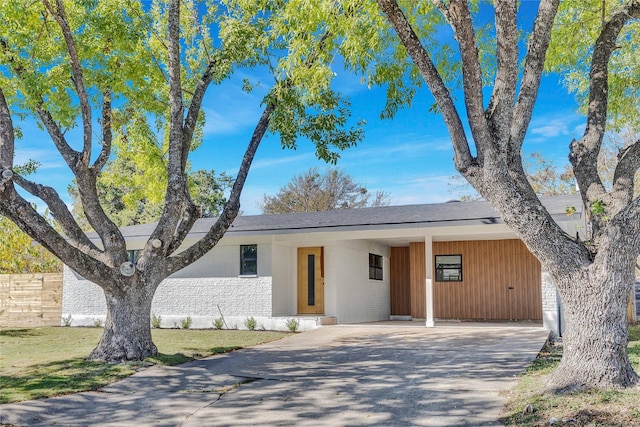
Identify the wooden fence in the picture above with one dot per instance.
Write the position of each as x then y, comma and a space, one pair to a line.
30, 300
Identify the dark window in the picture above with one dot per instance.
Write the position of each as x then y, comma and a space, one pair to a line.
448, 268
248, 260
375, 267
134, 255
311, 280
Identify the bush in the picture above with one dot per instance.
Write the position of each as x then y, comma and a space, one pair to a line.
156, 321
251, 323
218, 323
66, 321
186, 323
97, 323
293, 324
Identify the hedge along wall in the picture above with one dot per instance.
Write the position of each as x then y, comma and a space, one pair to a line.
30, 300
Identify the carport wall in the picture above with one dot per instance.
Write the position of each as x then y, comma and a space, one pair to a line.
501, 280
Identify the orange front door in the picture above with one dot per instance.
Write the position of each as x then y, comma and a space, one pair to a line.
310, 281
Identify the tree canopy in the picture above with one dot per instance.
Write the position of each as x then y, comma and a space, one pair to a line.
133, 77
315, 192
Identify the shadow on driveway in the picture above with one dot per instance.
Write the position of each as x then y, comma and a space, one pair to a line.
338, 376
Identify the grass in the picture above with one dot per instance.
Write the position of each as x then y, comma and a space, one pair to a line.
583, 408
44, 362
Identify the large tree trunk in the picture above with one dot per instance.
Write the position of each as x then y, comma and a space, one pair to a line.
127, 330
596, 335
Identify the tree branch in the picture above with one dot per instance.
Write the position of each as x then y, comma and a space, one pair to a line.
21, 212
500, 109
463, 159
623, 177
532, 75
107, 135
7, 140
195, 107
584, 153
78, 80
460, 19
232, 206
59, 211
177, 199
69, 155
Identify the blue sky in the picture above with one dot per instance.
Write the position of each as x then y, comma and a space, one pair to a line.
409, 157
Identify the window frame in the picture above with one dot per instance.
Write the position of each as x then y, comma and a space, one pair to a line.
374, 268
244, 259
440, 271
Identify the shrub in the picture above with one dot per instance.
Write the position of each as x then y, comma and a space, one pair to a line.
218, 323
293, 324
186, 323
156, 321
251, 323
97, 323
66, 321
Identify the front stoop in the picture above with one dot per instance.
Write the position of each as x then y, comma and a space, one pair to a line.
329, 320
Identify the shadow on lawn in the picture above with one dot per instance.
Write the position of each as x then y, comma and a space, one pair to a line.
62, 377
74, 375
21, 333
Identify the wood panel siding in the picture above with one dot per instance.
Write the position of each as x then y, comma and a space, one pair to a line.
501, 280
418, 277
400, 282
30, 300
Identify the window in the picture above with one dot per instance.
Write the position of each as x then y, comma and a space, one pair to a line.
448, 268
134, 255
375, 267
248, 260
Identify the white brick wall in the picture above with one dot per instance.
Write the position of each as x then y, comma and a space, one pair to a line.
176, 298
549, 302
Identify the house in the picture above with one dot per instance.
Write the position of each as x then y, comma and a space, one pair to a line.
431, 262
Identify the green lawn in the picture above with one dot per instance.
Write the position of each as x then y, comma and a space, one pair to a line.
584, 408
43, 362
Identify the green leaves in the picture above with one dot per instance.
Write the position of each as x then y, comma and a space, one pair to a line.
578, 24
20, 254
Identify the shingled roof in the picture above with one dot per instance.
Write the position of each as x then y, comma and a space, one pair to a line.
386, 217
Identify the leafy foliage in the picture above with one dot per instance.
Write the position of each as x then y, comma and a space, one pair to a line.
20, 254
313, 192
133, 195
578, 25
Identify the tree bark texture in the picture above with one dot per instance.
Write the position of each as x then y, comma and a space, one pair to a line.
127, 333
595, 339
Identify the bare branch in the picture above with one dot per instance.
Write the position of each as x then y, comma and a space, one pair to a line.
500, 109
232, 206
7, 139
78, 80
463, 159
107, 135
623, 177
462, 24
177, 199
195, 107
533, 68
584, 153
21, 212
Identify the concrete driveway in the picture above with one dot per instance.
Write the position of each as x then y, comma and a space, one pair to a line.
332, 376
